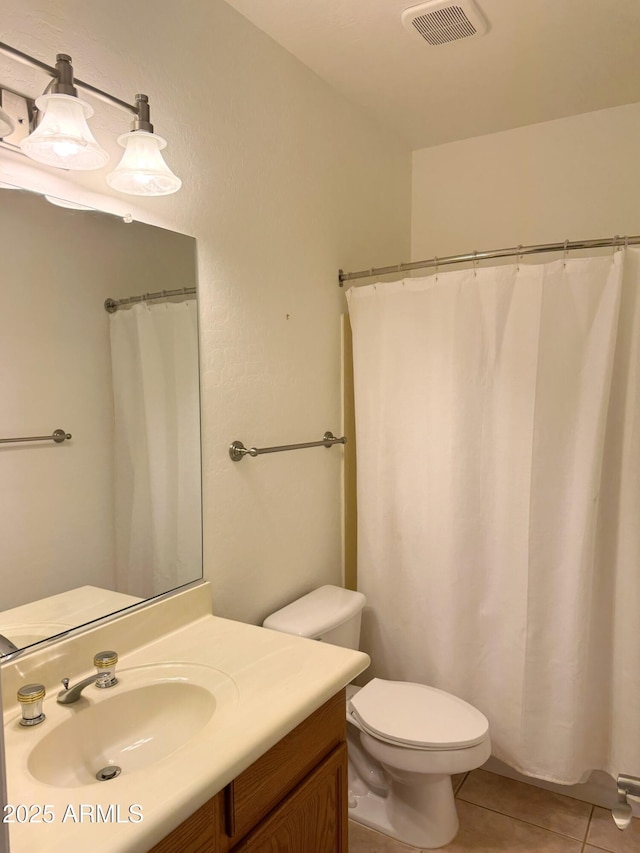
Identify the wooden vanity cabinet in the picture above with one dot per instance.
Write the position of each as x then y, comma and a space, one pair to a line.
291, 800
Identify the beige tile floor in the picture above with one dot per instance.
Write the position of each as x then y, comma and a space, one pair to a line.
499, 814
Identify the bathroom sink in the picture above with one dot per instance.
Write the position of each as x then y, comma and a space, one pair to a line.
152, 712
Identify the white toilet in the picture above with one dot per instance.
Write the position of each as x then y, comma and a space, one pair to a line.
405, 740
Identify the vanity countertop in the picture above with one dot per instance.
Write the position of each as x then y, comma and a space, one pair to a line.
49, 616
277, 681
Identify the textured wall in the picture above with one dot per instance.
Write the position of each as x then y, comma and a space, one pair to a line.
575, 178
283, 183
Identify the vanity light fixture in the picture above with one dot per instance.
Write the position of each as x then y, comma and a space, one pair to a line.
65, 202
7, 124
62, 138
142, 170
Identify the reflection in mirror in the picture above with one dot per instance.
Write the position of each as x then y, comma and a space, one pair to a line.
112, 515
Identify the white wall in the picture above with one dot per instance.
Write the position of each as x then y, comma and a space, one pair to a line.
284, 182
572, 178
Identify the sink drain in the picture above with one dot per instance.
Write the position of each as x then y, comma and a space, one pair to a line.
107, 773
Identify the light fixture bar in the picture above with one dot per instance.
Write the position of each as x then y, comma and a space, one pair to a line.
53, 72
63, 139
26, 59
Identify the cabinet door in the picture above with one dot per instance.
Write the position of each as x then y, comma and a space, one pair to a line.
203, 832
313, 819
253, 795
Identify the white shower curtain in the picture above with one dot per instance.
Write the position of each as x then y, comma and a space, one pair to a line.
154, 356
498, 448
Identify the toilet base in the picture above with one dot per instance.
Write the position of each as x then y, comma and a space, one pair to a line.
425, 825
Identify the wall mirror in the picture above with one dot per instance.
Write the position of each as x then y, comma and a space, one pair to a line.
112, 515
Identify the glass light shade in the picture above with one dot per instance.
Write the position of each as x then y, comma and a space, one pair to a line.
7, 124
65, 202
142, 170
63, 138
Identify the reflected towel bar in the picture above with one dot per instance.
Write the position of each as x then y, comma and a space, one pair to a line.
58, 435
238, 451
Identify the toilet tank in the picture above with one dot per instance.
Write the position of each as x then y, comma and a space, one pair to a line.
330, 613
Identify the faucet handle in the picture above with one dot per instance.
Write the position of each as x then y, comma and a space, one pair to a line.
30, 697
105, 663
105, 660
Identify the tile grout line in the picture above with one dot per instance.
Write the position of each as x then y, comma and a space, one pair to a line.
462, 781
586, 838
586, 835
529, 823
584, 843
530, 785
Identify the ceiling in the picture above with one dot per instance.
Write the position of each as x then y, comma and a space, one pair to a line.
540, 60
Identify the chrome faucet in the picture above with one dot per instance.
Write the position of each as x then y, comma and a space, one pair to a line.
6, 646
105, 663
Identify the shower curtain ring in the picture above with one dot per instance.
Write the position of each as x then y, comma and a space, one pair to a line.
614, 243
519, 257
475, 263
436, 260
565, 253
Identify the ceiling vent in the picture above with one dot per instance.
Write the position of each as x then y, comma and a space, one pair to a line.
443, 21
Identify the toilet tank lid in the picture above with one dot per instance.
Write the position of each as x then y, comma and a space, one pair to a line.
317, 612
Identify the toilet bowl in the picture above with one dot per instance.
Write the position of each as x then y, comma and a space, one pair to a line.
405, 740
419, 736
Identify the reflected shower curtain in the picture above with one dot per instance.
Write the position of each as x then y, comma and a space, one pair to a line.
154, 354
498, 447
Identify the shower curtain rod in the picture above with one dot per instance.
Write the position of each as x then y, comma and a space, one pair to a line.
112, 305
516, 251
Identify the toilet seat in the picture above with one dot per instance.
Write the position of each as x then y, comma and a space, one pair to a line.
414, 715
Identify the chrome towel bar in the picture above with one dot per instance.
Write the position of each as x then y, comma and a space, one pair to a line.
58, 435
238, 451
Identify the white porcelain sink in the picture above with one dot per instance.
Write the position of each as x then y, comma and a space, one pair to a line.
152, 712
